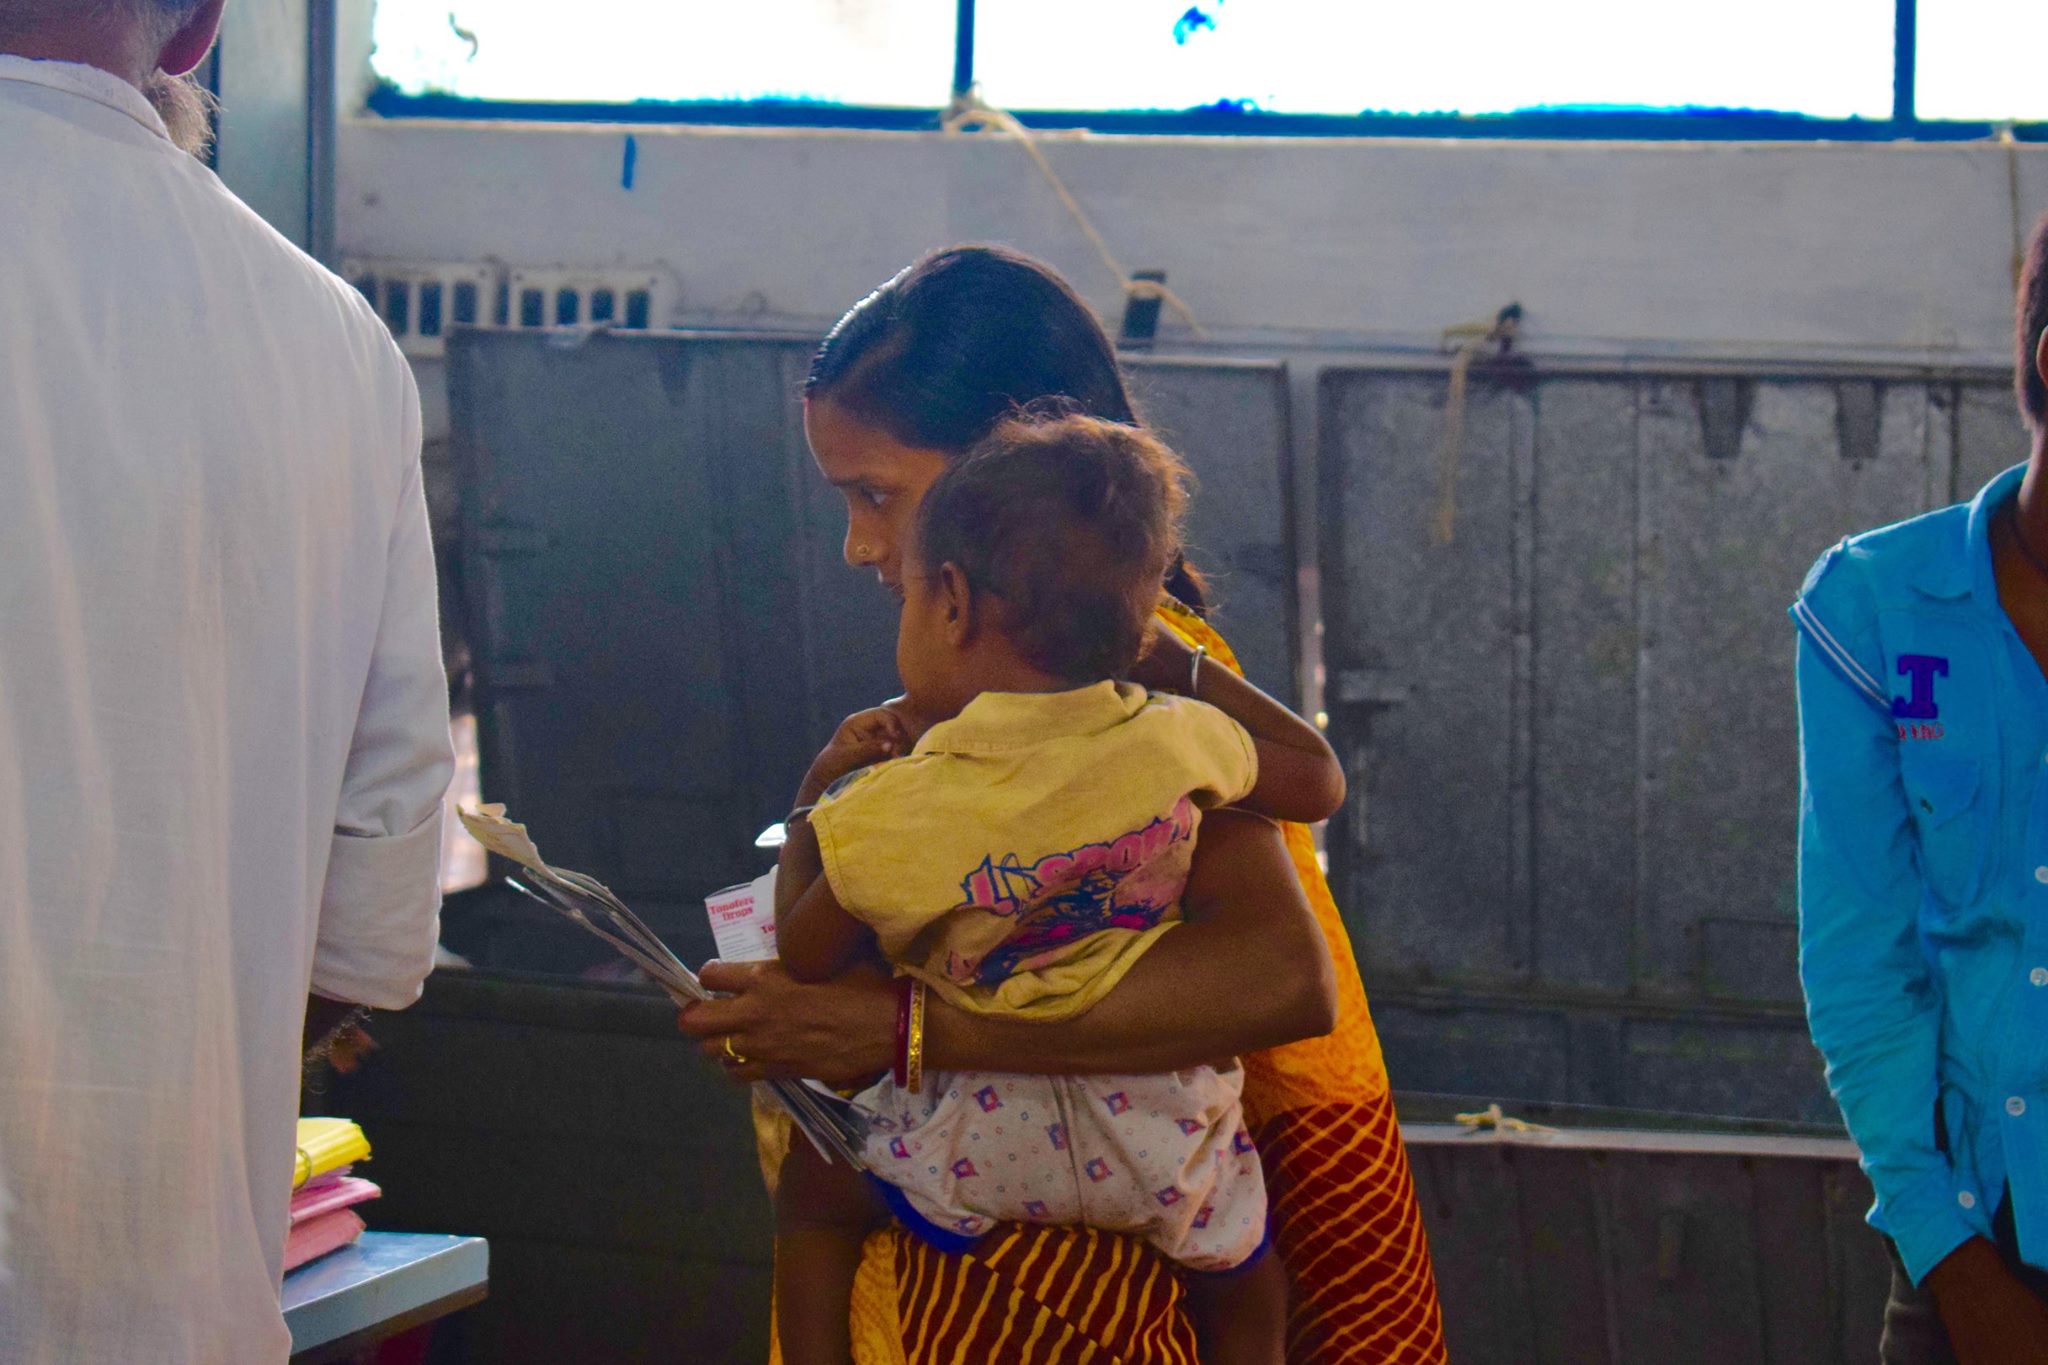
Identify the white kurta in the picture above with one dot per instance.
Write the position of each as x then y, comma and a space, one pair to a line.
223, 723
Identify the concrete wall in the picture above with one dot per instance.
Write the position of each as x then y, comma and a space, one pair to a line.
1738, 248
1309, 249
1313, 250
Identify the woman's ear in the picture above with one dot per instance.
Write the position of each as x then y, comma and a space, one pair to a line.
956, 597
2041, 355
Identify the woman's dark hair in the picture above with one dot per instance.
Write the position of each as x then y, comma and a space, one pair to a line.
965, 338
1070, 522
2031, 319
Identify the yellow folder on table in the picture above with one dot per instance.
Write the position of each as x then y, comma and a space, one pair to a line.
327, 1145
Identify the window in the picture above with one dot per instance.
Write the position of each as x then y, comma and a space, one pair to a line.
1864, 69
1981, 59
1828, 58
895, 53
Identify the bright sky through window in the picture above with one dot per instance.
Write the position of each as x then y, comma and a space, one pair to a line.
862, 52
1829, 58
1826, 58
1981, 60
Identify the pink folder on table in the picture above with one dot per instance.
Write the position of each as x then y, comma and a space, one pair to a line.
329, 1195
323, 1220
317, 1236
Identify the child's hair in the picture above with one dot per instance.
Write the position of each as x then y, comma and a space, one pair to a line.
1071, 522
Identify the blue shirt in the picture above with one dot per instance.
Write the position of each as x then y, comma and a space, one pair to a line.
1923, 875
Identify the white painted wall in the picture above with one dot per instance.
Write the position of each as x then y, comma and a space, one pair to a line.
1898, 252
1310, 248
1901, 250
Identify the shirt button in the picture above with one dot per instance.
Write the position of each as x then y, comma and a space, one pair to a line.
1966, 1199
2039, 976
2015, 1106
2041, 874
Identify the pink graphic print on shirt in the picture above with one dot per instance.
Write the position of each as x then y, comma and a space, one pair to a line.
1128, 882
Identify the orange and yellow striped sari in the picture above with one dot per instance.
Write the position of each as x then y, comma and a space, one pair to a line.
1345, 1221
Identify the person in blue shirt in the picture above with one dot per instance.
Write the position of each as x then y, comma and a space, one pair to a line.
1923, 886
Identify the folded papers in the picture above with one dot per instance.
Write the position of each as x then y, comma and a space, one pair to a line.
324, 1194
828, 1121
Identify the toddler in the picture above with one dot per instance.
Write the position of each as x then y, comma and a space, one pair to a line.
1016, 859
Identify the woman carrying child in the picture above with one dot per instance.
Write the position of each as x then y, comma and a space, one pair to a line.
913, 378
1018, 857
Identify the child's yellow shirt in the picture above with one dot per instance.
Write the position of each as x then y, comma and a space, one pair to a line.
1025, 853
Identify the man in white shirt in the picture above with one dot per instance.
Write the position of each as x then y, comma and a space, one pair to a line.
223, 718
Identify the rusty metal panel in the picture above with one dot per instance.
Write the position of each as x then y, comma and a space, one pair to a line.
1611, 1247
1584, 714
1727, 539
1989, 436
1791, 1212
1559, 678
1680, 1249
640, 1219
1746, 1063
625, 512
1490, 1310
1229, 421
1707, 1060
1422, 638
1559, 1224
663, 625
1452, 1042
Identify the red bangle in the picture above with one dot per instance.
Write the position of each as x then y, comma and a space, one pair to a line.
900, 1073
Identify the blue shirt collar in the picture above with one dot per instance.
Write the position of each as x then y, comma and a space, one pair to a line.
1969, 574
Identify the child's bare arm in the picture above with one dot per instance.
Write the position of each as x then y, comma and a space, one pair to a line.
1299, 776
797, 866
862, 738
1295, 782
815, 937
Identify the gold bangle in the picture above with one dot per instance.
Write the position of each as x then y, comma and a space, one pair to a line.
913, 1050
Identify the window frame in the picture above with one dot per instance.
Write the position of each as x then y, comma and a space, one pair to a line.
1230, 120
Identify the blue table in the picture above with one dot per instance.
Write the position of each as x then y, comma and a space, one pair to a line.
387, 1283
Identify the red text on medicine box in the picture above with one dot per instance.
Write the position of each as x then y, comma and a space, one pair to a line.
743, 920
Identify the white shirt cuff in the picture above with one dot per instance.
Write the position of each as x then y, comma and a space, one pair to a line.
380, 917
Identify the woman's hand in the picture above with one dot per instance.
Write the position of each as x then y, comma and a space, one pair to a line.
1250, 969
862, 738
841, 1032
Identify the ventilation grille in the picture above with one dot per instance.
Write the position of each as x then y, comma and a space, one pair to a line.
421, 302
633, 299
